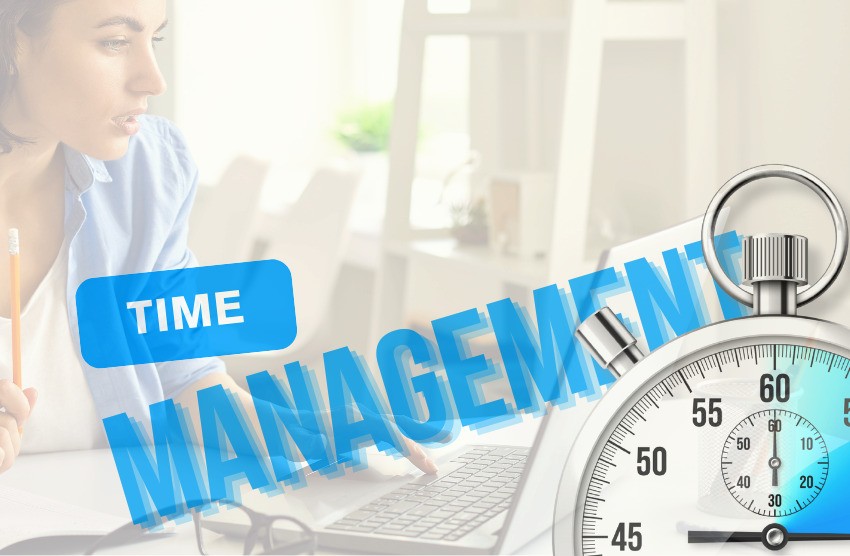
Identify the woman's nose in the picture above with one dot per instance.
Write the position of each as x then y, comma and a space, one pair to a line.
147, 77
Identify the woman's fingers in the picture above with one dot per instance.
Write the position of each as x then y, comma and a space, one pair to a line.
32, 396
413, 451
419, 458
17, 405
8, 450
10, 425
14, 401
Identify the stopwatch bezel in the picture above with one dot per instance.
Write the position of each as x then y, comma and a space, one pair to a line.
682, 350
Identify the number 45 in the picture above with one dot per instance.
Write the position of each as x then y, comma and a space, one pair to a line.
634, 541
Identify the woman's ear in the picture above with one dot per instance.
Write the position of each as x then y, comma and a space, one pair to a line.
23, 50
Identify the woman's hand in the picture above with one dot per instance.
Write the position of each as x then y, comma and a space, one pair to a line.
188, 399
419, 457
17, 405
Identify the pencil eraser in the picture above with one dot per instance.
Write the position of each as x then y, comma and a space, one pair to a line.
14, 242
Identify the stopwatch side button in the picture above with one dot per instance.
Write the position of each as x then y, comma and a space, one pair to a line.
609, 341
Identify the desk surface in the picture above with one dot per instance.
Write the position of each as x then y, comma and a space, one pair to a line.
89, 479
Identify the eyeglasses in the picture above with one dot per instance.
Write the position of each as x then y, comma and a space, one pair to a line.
275, 534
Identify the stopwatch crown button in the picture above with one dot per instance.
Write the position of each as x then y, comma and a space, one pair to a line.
776, 257
609, 341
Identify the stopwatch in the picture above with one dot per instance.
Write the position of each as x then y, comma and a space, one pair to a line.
733, 438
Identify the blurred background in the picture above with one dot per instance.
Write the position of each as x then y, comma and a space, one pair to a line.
408, 159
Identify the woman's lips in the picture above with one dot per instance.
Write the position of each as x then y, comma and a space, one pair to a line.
128, 124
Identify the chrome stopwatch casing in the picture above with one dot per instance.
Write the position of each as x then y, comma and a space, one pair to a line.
569, 524
735, 433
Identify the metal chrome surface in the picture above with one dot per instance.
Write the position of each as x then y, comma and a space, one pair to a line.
744, 294
609, 341
676, 353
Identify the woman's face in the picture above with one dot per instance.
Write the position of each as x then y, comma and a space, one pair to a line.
86, 77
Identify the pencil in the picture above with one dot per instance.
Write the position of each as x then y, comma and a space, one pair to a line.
15, 272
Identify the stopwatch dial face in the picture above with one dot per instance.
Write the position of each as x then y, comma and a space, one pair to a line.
744, 436
767, 450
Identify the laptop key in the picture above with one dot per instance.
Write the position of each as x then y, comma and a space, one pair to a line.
381, 518
453, 492
443, 530
417, 528
400, 507
359, 515
422, 510
465, 517
432, 536
389, 529
401, 533
433, 489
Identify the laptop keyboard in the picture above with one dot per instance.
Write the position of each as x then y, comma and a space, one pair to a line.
445, 507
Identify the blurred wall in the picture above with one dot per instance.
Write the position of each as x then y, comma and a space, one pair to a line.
783, 79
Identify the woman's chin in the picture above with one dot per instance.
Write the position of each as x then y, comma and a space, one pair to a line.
111, 149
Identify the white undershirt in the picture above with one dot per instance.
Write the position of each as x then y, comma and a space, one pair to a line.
64, 417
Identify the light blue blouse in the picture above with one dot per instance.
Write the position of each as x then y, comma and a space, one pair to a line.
128, 216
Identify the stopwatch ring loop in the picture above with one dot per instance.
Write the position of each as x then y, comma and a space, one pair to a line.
742, 293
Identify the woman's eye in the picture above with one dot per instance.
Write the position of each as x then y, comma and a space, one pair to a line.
157, 39
115, 45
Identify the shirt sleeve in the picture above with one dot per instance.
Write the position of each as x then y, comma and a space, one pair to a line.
175, 376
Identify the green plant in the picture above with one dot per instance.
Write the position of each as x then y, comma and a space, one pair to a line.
469, 222
365, 128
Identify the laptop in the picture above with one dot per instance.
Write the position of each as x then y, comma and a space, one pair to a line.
486, 498
489, 498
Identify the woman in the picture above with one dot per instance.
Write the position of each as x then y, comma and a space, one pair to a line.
96, 189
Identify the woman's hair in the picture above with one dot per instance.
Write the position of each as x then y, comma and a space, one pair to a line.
31, 17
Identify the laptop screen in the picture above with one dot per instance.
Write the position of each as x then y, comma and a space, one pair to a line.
533, 508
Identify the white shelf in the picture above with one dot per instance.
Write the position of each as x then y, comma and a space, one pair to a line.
484, 25
531, 273
589, 25
644, 21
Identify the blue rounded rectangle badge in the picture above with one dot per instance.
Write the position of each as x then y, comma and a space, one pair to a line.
185, 314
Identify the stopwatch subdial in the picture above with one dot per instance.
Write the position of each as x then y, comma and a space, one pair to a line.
775, 462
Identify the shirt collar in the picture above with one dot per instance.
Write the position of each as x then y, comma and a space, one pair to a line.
84, 171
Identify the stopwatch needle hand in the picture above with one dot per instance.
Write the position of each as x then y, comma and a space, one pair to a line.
775, 462
818, 537
773, 536
775, 459
722, 536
